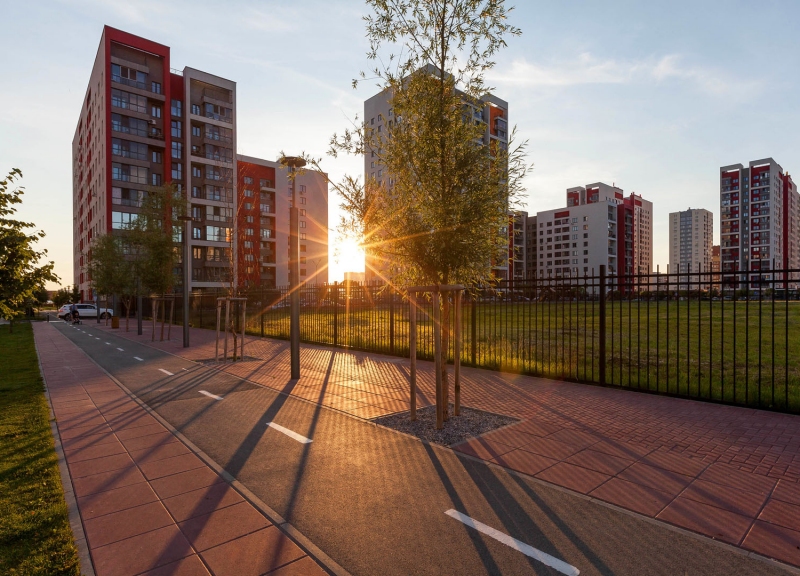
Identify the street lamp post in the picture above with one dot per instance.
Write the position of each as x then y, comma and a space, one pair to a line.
293, 163
187, 219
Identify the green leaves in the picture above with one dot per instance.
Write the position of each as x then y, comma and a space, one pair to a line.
20, 272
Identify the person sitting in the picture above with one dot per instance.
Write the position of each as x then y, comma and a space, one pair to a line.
73, 312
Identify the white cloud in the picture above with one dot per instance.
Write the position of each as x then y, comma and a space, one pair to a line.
589, 69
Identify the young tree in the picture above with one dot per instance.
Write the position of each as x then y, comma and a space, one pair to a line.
20, 272
62, 297
441, 216
110, 271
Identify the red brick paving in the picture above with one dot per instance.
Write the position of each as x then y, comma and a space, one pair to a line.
148, 505
722, 471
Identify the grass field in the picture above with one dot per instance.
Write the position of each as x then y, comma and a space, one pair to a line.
35, 536
744, 352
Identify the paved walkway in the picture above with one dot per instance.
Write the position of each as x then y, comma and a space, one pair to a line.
726, 472
148, 504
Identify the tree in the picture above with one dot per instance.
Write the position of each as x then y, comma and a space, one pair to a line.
440, 216
110, 271
62, 297
75, 294
20, 271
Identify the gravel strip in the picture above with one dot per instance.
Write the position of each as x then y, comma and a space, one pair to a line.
470, 423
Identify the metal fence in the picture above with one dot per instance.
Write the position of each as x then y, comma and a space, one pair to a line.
730, 337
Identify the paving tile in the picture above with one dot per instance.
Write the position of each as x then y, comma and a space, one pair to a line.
81, 419
98, 465
140, 431
84, 431
511, 436
159, 438
130, 420
155, 453
731, 476
576, 438
573, 477
220, 526
141, 553
189, 566
774, 542
120, 407
641, 499
787, 491
551, 448
599, 461
86, 441
622, 449
115, 500
483, 448
124, 524
675, 462
708, 520
725, 497
524, 461
306, 566
782, 514
107, 481
94, 451
658, 478
183, 482
202, 501
538, 428
160, 468
252, 555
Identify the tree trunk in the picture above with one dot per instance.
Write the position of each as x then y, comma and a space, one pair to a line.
127, 303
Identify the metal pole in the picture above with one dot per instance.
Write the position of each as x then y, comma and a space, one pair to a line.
138, 315
457, 357
437, 349
412, 351
294, 267
219, 315
602, 358
97, 306
187, 260
227, 321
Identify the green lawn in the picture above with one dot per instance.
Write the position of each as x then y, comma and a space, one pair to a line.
741, 352
35, 536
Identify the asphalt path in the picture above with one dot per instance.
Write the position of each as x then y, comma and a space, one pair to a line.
381, 503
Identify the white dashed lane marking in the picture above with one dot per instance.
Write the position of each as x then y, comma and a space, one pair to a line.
289, 433
168, 373
120, 349
139, 359
526, 549
210, 395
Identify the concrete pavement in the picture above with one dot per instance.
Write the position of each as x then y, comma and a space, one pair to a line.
376, 501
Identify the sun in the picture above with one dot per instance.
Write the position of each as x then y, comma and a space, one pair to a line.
349, 256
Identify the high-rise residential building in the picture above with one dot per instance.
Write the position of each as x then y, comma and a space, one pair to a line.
143, 124
760, 221
517, 245
531, 250
491, 111
263, 223
599, 226
691, 236
716, 265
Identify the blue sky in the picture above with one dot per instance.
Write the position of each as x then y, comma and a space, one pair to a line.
652, 96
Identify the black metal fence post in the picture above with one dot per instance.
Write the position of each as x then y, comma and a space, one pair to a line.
602, 335
474, 330
335, 313
391, 320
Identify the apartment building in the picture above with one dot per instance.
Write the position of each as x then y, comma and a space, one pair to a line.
760, 221
517, 245
691, 237
263, 223
716, 264
143, 124
531, 247
491, 111
599, 226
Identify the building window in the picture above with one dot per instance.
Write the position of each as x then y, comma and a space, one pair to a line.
196, 172
196, 131
248, 180
122, 220
302, 212
303, 270
302, 235
128, 125
155, 179
197, 233
128, 101
155, 111
177, 128
155, 87
177, 171
126, 173
129, 76
302, 224
218, 234
155, 157
128, 149
197, 252
250, 219
177, 108
263, 183
177, 150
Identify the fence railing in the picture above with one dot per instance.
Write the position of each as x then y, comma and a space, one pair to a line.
730, 337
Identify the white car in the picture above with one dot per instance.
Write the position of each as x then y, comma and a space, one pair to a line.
84, 311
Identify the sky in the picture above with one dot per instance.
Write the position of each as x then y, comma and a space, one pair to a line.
651, 96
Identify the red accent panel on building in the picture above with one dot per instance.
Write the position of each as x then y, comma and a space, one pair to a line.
494, 112
256, 172
562, 214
